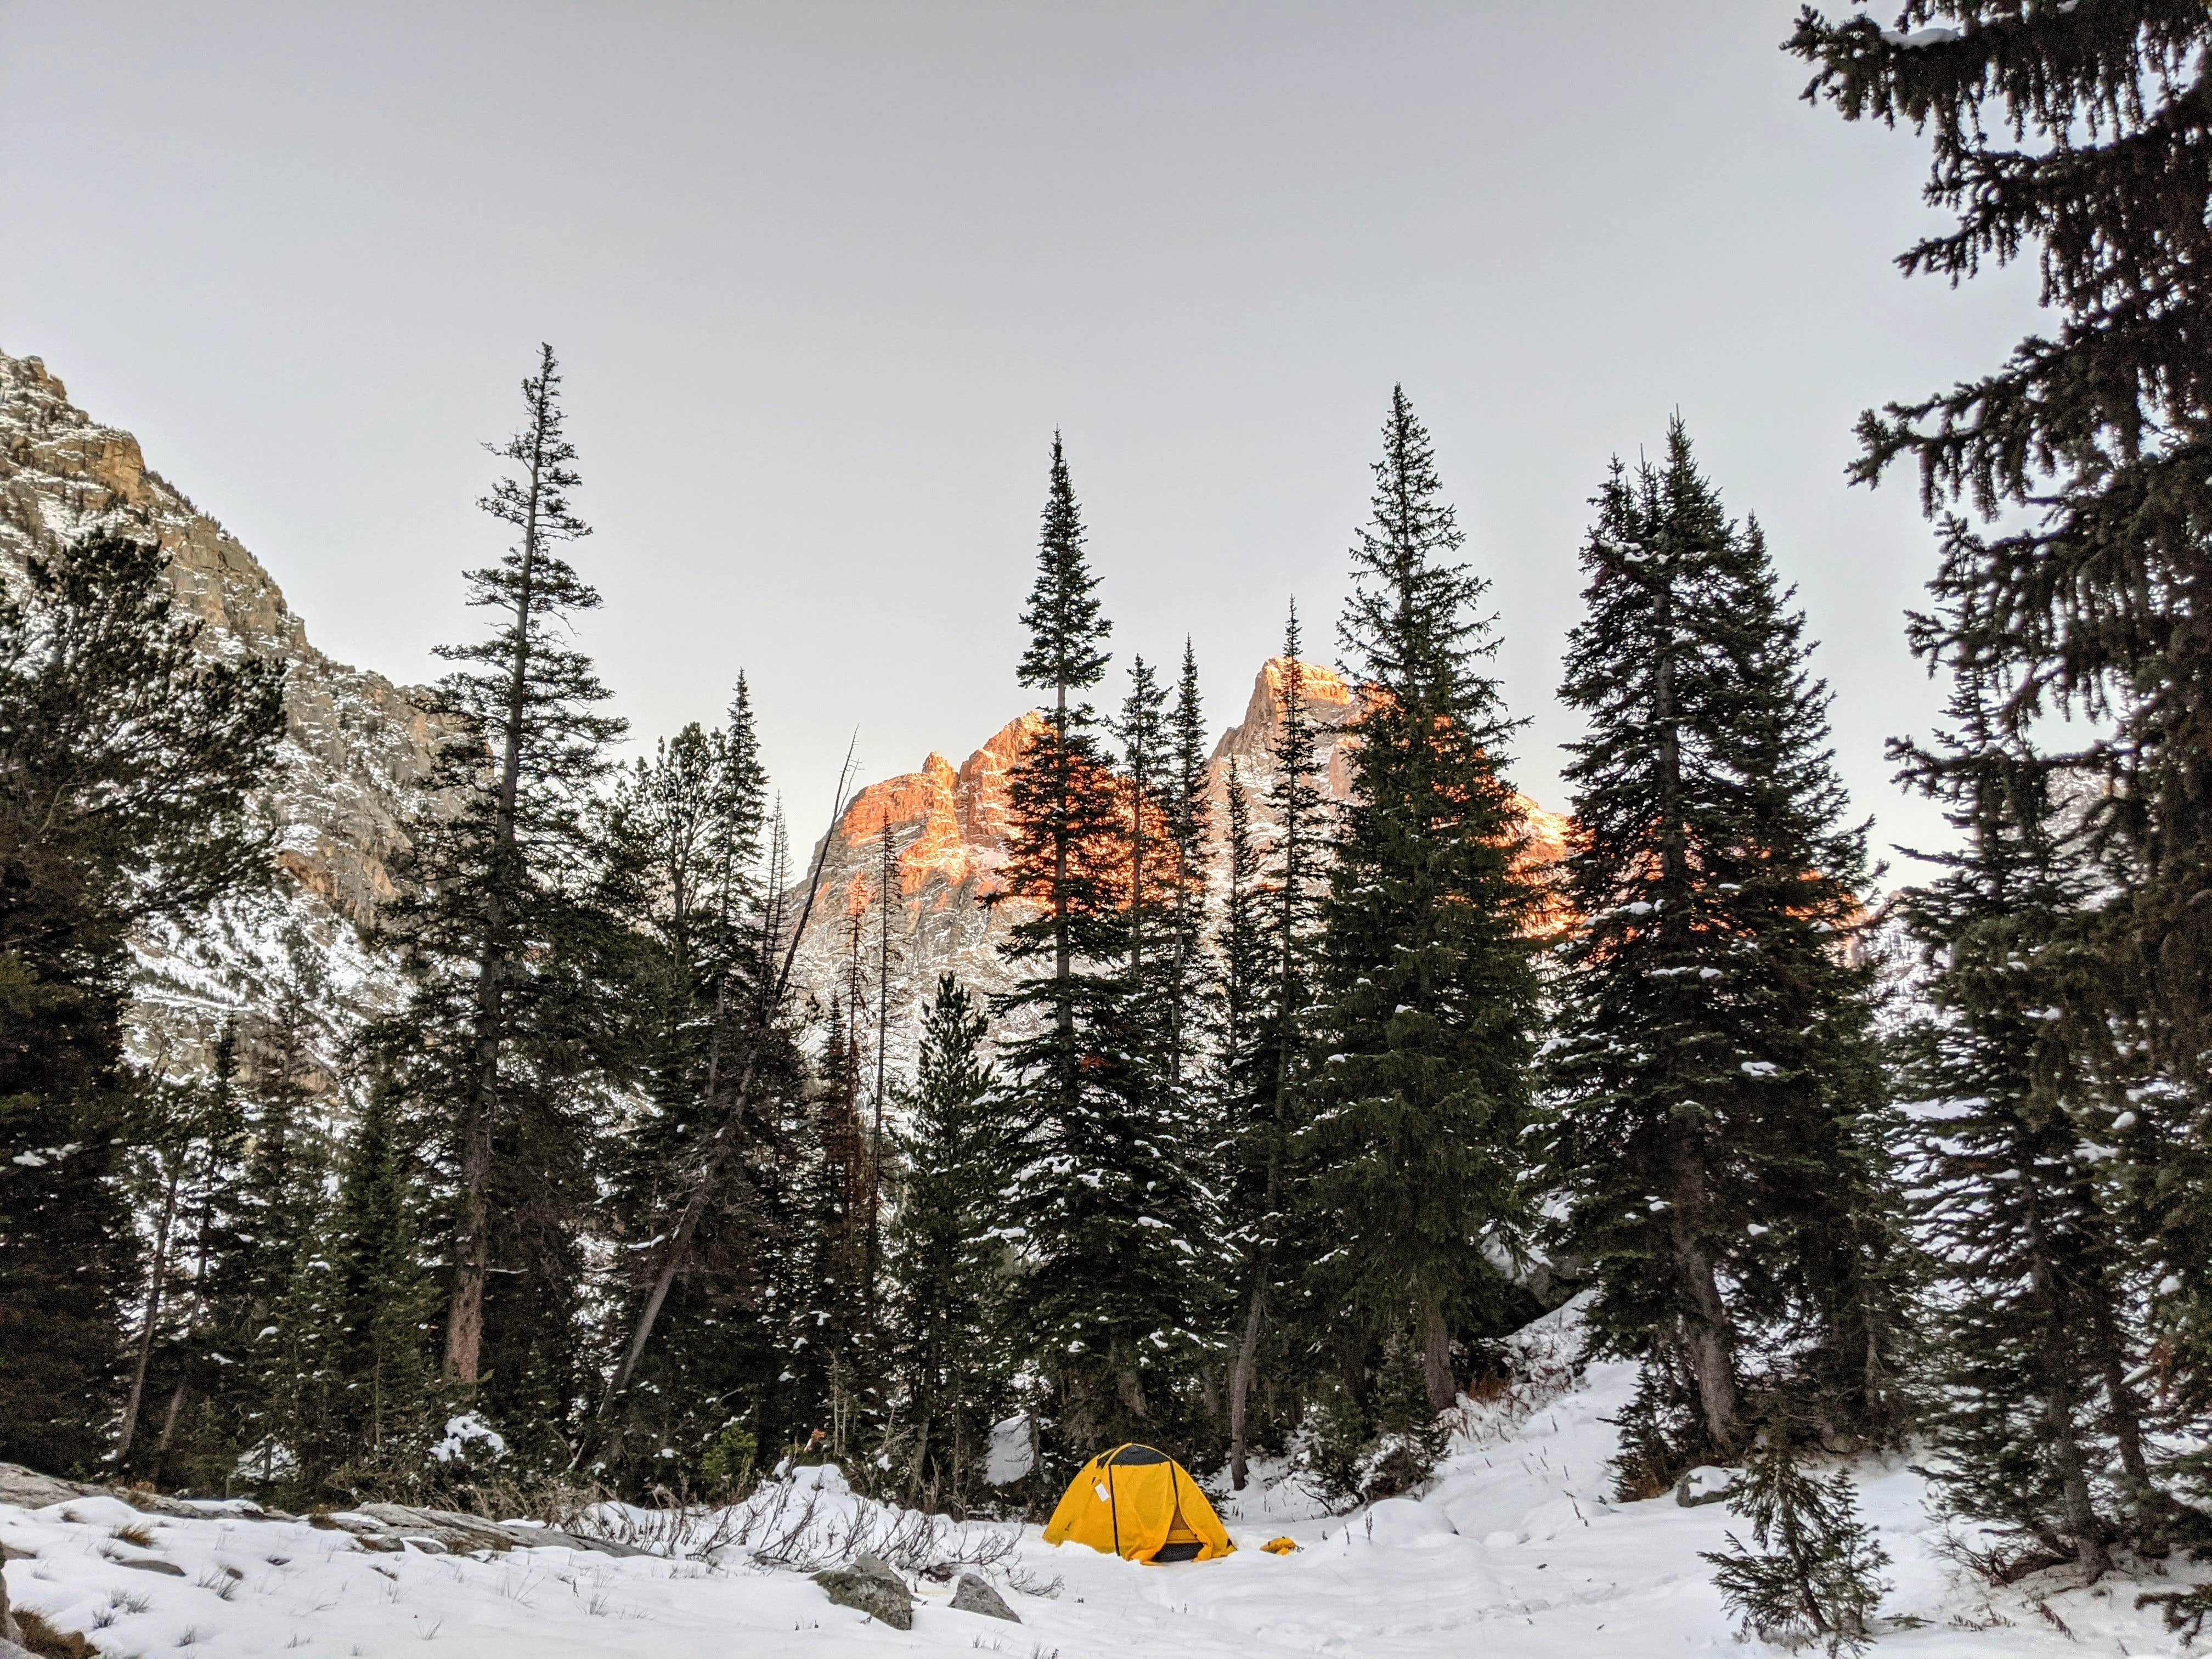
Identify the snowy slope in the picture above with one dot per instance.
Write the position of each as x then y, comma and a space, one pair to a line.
1517, 1552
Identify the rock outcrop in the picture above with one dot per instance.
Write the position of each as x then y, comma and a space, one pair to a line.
356, 751
949, 843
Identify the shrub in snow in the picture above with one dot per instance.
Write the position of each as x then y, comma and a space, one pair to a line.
1813, 1574
1352, 1453
730, 1461
468, 1439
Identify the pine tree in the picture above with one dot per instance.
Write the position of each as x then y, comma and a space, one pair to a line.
2014, 1050
1813, 1571
197, 1439
2073, 134
831, 1316
1268, 1062
1411, 1124
1101, 1180
381, 1315
686, 851
127, 760
1716, 1082
502, 939
1248, 1156
947, 1346
1189, 835
273, 1206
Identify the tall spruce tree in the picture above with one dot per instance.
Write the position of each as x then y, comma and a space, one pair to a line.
1100, 1180
1413, 1119
686, 851
1189, 830
2039, 1338
948, 1346
500, 1047
2076, 136
1272, 965
1714, 1074
127, 760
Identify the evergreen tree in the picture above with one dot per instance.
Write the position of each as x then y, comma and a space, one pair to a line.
381, 1317
197, 1440
1717, 1083
685, 837
1189, 835
1151, 876
1411, 1126
831, 1361
1813, 1571
500, 1047
1100, 1181
948, 1348
1269, 1061
1247, 1157
2014, 1053
126, 764
2075, 136
175, 1134
273, 1208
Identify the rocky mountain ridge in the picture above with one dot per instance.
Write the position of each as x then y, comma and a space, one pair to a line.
949, 841
356, 751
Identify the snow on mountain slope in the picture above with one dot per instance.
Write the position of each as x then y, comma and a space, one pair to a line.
1517, 1552
356, 752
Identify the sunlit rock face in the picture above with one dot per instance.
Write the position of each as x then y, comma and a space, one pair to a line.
356, 751
949, 841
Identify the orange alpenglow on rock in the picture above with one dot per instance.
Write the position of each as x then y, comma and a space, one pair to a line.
1137, 1503
949, 832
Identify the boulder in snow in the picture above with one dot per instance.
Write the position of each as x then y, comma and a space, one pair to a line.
169, 1569
870, 1586
974, 1595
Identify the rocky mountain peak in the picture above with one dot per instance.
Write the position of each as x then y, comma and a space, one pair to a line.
948, 838
357, 748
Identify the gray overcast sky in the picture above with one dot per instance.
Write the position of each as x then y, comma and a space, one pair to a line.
824, 278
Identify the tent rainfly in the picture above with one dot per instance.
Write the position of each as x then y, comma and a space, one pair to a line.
1141, 1503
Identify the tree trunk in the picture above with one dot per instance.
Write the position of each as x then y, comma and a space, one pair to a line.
472, 1253
2059, 1401
2125, 1419
920, 1455
1435, 1357
1708, 1334
153, 1318
168, 1428
1240, 1382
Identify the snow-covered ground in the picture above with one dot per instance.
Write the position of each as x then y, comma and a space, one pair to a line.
1516, 1551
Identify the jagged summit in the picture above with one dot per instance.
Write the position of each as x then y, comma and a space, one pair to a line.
949, 833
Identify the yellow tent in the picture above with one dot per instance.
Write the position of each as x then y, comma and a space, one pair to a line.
1141, 1503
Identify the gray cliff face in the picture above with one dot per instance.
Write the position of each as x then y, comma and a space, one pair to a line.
356, 749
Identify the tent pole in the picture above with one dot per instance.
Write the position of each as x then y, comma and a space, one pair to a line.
1113, 1505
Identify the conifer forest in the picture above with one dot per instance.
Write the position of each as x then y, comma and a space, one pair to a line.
623, 1155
